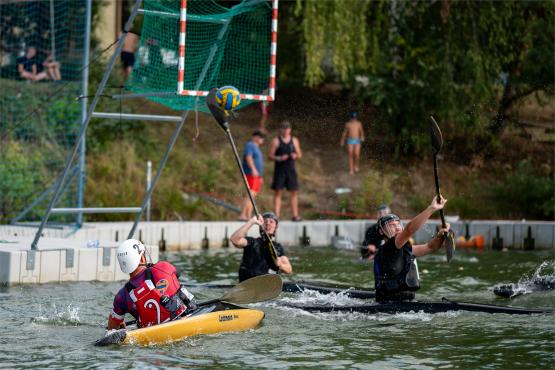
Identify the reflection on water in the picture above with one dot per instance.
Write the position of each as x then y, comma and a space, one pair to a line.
54, 325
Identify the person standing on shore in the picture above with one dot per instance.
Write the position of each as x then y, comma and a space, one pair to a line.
128, 52
252, 166
353, 135
285, 150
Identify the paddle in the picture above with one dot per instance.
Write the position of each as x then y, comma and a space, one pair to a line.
223, 117
257, 289
437, 143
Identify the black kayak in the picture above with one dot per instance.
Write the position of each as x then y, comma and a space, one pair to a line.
539, 284
318, 286
444, 305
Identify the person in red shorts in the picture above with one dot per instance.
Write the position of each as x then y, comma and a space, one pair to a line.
252, 165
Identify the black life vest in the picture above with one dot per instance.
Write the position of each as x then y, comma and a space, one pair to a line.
256, 258
395, 270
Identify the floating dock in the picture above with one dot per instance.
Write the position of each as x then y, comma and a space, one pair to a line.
88, 253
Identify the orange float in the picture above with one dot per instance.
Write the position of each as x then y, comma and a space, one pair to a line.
477, 241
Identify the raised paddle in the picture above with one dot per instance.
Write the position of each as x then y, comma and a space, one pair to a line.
437, 144
223, 118
257, 289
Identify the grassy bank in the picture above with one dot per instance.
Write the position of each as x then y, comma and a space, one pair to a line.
515, 183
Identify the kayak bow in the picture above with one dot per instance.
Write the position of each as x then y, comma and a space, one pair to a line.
538, 284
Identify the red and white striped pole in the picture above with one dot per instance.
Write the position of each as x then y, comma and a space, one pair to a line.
182, 29
181, 62
273, 51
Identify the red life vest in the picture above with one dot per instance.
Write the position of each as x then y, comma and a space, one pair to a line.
160, 279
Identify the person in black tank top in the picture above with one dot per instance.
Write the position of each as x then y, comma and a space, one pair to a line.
285, 150
395, 270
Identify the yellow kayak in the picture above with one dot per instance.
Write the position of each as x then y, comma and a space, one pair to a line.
211, 319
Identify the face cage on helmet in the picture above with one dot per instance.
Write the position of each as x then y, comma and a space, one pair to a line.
387, 228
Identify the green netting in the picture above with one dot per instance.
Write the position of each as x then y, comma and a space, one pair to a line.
37, 126
225, 45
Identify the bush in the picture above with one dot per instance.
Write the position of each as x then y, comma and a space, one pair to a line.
375, 190
527, 192
23, 178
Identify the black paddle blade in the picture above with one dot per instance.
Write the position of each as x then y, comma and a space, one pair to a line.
220, 115
115, 337
437, 139
449, 244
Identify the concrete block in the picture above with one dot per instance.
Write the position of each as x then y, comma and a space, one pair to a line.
87, 264
542, 232
29, 276
49, 270
105, 272
10, 266
69, 273
319, 232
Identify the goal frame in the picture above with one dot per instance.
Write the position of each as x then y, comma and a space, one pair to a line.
245, 96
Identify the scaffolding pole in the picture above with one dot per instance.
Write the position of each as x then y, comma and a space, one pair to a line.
84, 91
83, 129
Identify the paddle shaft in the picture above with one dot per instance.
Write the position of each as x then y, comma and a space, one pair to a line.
436, 177
271, 246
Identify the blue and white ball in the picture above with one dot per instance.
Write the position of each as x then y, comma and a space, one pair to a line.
228, 97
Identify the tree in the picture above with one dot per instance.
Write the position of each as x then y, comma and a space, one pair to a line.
469, 62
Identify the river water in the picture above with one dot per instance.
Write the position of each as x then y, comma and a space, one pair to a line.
54, 325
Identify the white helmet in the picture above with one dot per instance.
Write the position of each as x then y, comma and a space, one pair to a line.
129, 255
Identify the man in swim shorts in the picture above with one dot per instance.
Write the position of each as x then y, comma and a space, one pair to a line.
353, 135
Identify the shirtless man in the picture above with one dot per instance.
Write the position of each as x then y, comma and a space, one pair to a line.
353, 134
128, 52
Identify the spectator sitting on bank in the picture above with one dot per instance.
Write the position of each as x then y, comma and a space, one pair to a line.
28, 66
52, 67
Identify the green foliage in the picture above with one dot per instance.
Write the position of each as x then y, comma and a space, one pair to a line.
528, 192
467, 62
375, 190
23, 177
417, 202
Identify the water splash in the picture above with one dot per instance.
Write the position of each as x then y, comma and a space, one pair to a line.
360, 316
312, 298
541, 279
308, 296
67, 316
